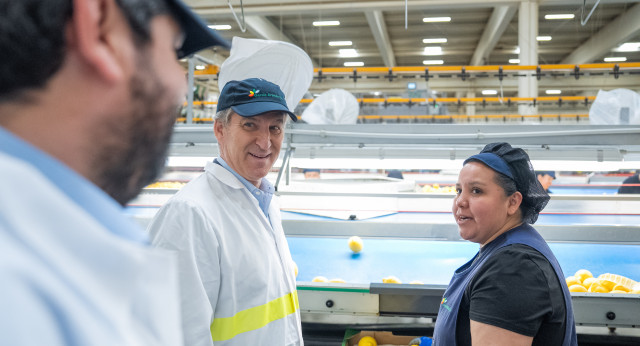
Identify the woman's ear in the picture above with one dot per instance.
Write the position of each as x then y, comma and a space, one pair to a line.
514, 203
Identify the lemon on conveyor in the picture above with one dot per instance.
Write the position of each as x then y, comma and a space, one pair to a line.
340, 281
577, 288
320, 279
588, 282
416, 282
583, 274
391, 280
367, 341
355, 244
572, 280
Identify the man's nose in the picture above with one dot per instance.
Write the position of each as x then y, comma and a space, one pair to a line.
263, 139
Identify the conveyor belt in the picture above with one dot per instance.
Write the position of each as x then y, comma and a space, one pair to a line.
433, 262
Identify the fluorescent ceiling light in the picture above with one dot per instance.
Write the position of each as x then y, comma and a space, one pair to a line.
628, 47
436, 19
514, 61
200, 67
376, 93
220, 27
516, 51
560, 16
615, 59
434, 40
353, 63
433, 62
543, 38
489, 92
553, 92
432, 51
326, 23
348, 53
340, 43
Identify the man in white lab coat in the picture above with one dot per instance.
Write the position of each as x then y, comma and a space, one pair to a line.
88, 96
237, 278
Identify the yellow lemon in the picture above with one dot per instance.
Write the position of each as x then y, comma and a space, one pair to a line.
583, 274
618, 291
572, 280
612, 280
588, 281
355, 244
367, 341
635, 291
320, 279
340, 281
620, 288
391, 280
598, 288
295, 269
577, 288
416, 282
608, 284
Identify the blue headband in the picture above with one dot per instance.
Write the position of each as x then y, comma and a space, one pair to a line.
494, 162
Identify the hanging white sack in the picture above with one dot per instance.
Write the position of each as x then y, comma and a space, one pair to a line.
615, 107
334, 106
281, 63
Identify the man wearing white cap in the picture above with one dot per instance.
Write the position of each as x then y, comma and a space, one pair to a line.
89, 92
237, 277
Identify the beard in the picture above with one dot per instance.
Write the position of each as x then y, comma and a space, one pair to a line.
136, 142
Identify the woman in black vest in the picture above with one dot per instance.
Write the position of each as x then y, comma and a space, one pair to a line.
513, 291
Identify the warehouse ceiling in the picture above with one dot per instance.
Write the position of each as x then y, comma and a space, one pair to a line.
478, 33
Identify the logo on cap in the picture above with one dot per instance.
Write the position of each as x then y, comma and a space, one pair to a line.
253, 92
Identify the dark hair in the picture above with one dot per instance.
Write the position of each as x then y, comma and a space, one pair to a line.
534, 197
32, 38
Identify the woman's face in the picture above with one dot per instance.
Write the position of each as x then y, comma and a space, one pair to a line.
481, 208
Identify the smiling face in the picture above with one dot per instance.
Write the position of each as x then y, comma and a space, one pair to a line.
481, 208
250, 146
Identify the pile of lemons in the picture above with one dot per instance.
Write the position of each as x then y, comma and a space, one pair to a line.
436, 188
584, 281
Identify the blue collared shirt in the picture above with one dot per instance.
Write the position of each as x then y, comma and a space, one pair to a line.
262, 194
84, 193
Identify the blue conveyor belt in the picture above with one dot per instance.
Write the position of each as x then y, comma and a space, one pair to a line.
433, 262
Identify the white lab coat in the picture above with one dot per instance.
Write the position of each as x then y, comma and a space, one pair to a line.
230, 258
67, 280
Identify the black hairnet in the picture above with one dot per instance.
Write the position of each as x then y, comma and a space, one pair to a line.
534, 197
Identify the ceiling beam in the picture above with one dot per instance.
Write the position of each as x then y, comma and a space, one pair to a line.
379, 31
283, 7
264, 29
619, 30
497, 24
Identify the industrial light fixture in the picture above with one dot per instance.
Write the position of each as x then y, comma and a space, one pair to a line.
559, 16
353, 63
628, 47
432, 62
514, 61
553, 92
432, 50
348, 53
436, 19
220, 27
517, 50
543, 38
489, 92
615, 59
200, 67
340, 43
326, 23
434, 40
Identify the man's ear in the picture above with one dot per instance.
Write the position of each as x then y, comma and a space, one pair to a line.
514, 203
88, 33
217, 129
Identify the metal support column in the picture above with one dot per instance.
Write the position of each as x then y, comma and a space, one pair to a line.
190, 83
527, 33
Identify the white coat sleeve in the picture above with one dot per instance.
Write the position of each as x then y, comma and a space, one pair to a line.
183, 227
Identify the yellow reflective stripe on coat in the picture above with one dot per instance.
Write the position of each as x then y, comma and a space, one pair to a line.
254, 318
